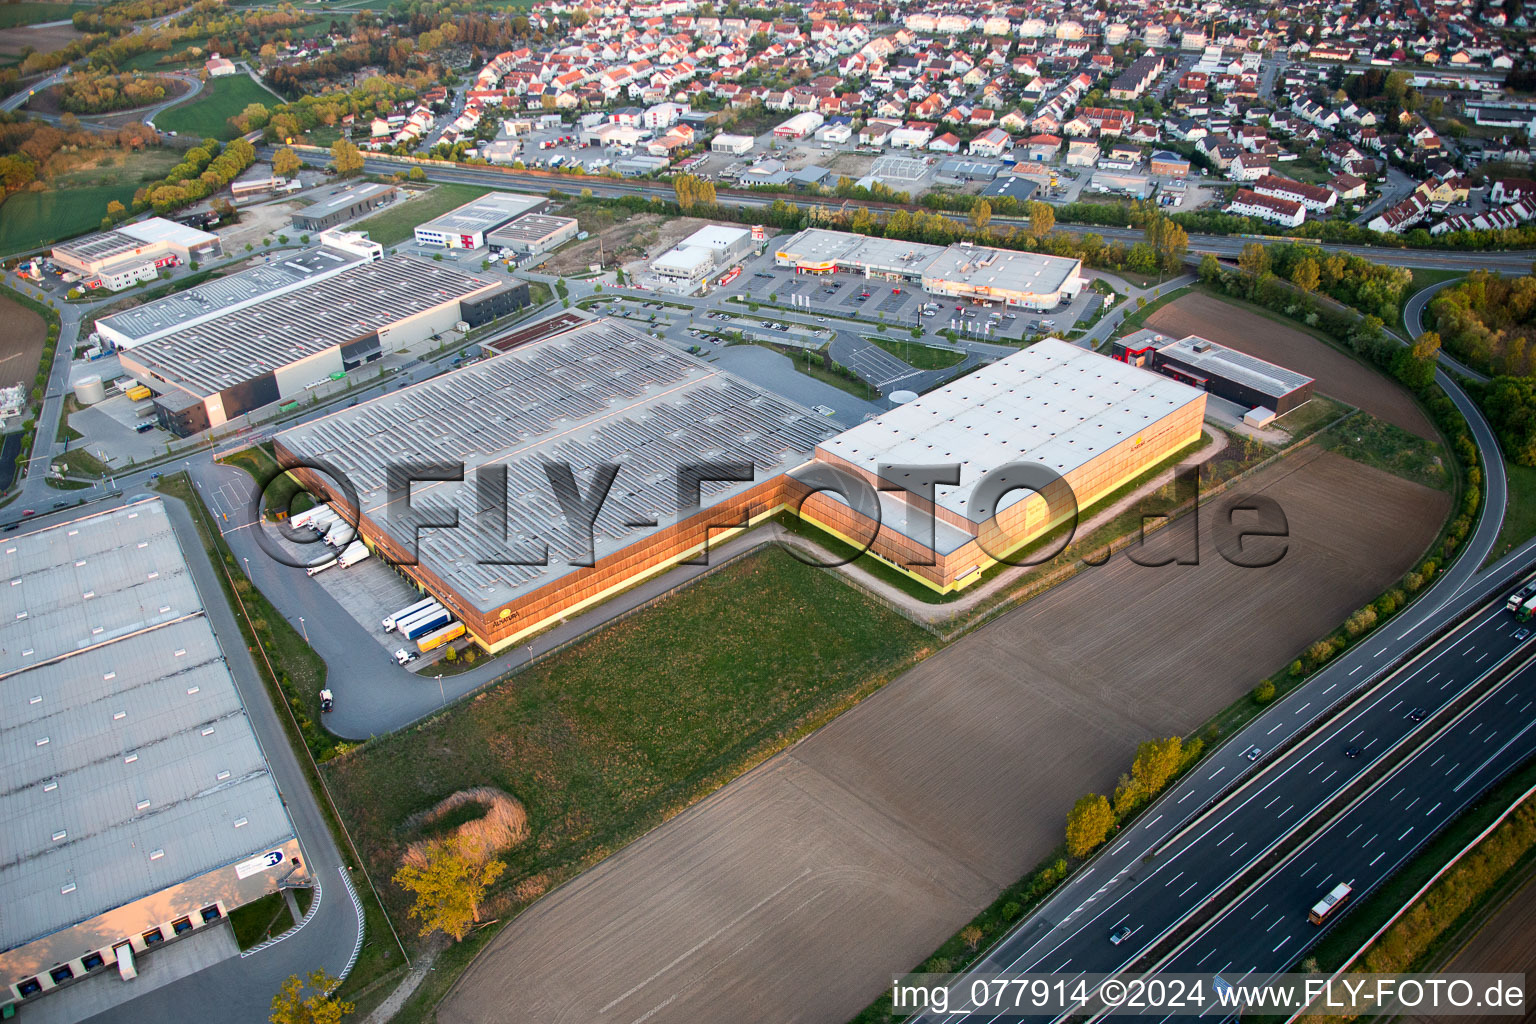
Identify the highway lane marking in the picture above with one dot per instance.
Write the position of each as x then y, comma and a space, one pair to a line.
1282, 942
1380, 652
1405, 834
1332, 685
1356, 736
1453, 767
1217, 772
1239, 849
1507, 744
1437, 760
1206, 957
1309, 869
1371, 840
1399, 704
1256, 913
1358, 826
1399, 793
1448, 682
1489, 737
1512, 697
1175, 878
1473, 731
1433, 678
1288, 810
1324, 780
1411, 803
1527, 704
1186, 796
1224, 838
1272, 800
1357, 668
1433, 809
1316, 767
1278, 921
1191, 886
1380, 855
1303, 708
1276, 726
1154, 821
1484, 657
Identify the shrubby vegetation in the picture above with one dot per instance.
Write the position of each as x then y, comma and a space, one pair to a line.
1489, 322
31, 151
98, 92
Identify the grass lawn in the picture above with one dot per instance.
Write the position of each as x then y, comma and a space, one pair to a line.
397, 223
263, 467
1310, 417
79, 462
29, 12
809, 363
29, 220
207, 113
1135, 319
918, 355
1520, 512
1367, 439
609, 738
260, 920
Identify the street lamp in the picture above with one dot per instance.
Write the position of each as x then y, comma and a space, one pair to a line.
304, 629
440, 692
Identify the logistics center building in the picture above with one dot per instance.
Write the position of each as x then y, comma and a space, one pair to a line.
215, 368
1095, 422
980, 273
138, 806
1226, 373
135, 252
587, 395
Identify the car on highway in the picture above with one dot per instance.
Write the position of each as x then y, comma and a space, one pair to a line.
1416, 715
1120, 934
1252, 753
821, 319
1521, 634
1352, 751
26, 512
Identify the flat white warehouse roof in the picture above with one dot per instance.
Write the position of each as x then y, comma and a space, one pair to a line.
487, 213
130, 764
1001, 270
1052, 403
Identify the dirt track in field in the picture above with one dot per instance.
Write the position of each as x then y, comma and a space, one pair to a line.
1336, 374
796, 891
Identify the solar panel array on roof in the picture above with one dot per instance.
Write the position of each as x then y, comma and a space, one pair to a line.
215, 354
130, 764
596, 394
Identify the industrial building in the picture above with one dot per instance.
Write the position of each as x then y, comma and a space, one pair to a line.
138, 806
1226, 373
712, 247
593, 393
467, 226
341, 204
980, 273
533, 233
336, 251
736, 145
1095, 422
275, 348
135, 252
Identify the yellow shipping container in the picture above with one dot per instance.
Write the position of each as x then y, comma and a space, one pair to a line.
138, 394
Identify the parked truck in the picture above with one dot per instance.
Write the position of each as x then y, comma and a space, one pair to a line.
435, 639
356, 552
340, 534
324, 521
410, 620
308, 516
391, 621
426, 624
320, 567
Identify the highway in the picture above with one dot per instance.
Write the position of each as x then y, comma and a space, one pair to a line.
1195, 860
1220, 245
1262, 932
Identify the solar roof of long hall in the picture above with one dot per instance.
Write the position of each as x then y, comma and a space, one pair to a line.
593, 394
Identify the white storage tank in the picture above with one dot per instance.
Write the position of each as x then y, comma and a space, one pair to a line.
90, 390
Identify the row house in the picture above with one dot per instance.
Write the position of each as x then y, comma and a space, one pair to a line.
1503, 218
1285, 212
1314, 198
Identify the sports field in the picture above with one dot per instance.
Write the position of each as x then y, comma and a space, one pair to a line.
207, 113
793, 893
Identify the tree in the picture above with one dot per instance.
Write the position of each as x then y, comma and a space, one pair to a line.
116, 210
346, 158
1157, 761
1088, 824
1169, 243
1042, 219
1306, 276
981, 213
290, 1006
1253, 261
449, 888
1264, 692
1210, 269
286, 163
971, 935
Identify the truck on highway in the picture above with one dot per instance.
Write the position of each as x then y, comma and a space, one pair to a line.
356, 552
1325, 907
1520, 596
426, 623
1526, 610
390, 621
435, 639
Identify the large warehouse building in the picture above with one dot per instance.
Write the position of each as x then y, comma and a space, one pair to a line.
711, 248
590, 394
213, 369
1095, 422
135, 252
1226, 373
979, 273
138, 807
467, 226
